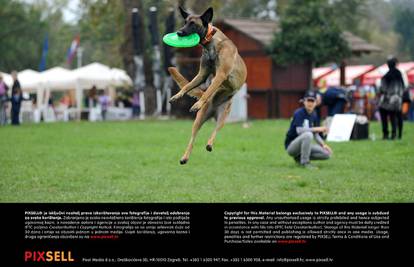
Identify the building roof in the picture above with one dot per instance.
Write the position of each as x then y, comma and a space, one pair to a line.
359, 45
259, 30
263, 31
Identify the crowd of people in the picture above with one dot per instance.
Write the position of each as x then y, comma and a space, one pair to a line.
15, 98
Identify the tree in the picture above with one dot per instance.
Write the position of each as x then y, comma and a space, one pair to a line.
23, 27
259, 9
377, 27
309, 33
348, 14
101, 31
404, 21
21, 33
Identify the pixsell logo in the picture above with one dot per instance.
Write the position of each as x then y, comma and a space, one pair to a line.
48, 256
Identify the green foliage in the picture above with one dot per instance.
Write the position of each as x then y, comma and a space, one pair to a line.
310, 29
138, 162
61, 35
404, 25
21, 35
262, 9
348, 14
376, 26
102, 32
23, 27
309, 33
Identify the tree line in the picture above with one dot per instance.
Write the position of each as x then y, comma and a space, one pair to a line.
103, 28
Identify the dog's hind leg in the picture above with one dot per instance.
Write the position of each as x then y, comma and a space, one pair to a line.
194, 83
181, 81
202, 115
222, 113
221, 75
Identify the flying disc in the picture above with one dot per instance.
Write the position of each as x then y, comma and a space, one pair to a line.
172, 39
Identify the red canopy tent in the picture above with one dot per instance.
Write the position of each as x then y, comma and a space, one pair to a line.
319, 73
410, 76
371, 77
352, 73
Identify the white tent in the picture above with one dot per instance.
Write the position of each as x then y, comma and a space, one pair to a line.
29, 80
99, 75
120, 77
57, 78
7, 79
94, 74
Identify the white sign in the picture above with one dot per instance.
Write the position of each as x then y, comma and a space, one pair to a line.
341, 127
239, 106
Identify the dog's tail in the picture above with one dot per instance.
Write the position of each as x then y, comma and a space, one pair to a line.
181, 81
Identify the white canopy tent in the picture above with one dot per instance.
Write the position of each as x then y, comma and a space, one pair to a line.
29, 80
99, 75
7, 78
120, 77
57, 79
94, 74
61, 79
54, 79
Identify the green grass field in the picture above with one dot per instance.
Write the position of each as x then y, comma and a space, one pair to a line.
138, 161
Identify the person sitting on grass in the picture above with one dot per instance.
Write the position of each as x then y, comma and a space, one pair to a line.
303, 129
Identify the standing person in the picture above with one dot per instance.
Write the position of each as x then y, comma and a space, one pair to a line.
16, 103
3, 101
303, 129
390, 102
16, 84
104, 101
92, 97
136, 108
16, 99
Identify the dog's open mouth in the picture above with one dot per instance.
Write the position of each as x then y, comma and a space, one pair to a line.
182, 33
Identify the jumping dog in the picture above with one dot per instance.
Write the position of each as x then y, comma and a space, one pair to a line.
221, 67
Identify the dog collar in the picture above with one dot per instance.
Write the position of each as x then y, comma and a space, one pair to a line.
210, 32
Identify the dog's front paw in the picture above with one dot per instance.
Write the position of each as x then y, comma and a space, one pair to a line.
176, 97
198, 105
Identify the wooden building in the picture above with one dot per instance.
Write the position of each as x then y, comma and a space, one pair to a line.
274, 91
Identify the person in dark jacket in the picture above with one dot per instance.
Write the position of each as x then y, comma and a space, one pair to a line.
16, 104
390, 102
303, 129
335, 98
16, 100
16, 84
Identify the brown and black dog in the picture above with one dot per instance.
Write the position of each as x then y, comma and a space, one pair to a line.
220, 65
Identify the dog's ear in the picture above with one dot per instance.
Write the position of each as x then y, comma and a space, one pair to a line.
183, 12
207, 16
